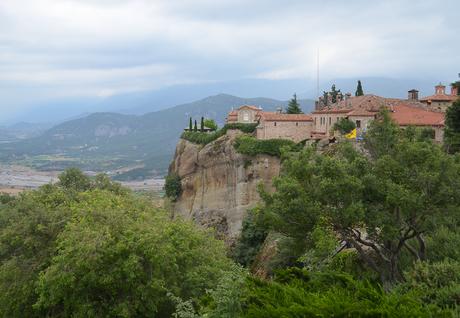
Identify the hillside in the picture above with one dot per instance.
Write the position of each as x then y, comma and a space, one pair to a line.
110, 141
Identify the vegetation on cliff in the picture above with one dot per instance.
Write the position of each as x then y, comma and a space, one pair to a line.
202, 138
251, 146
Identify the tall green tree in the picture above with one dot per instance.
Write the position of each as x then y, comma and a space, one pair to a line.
294, 106
359, 90
190, 125
195, 127
99, 253
382, 135
452, 128
383, 206
202, 124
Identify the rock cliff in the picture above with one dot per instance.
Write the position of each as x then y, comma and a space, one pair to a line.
219, 185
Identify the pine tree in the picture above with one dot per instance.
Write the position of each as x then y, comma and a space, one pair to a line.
294, 106
190, 125
195, 128
359, 90
202, 124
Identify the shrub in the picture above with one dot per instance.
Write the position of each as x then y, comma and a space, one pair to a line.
173, 187
251, 146
344, 126
296, 293
205, 138
436, 283
209, 123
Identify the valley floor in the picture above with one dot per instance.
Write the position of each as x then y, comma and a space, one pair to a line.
16, 178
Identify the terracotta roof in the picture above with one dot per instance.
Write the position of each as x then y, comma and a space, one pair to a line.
440, 98
332, 111
272, 116
250, 107
362, 113
407, 115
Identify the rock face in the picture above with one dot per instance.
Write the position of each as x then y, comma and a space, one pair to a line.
219, 185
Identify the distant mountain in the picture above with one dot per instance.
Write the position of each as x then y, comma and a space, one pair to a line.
107, 141
138, 103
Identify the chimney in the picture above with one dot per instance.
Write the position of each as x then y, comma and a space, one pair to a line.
412, 95
279, 110
454, 90
440, 89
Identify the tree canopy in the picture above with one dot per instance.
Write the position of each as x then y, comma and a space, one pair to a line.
383, 205
452, 129
99, 253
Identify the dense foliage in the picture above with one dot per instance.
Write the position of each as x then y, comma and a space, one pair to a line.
205, 138
66, 251
344, 126
386, 205
452, 130
253, 235
251, 146
209, 123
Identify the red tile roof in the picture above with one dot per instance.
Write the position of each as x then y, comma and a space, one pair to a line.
440, 98
408, 115
250, 107
272, 116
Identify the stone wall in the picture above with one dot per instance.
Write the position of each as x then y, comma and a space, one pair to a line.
296, 131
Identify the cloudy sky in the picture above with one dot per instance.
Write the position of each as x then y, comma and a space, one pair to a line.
100, 48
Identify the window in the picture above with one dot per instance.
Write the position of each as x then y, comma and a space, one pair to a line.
297, 124
330, 121
246, 116
358, 124
275, 123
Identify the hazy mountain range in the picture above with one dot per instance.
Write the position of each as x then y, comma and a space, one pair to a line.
141, 129
63, 109
109, 141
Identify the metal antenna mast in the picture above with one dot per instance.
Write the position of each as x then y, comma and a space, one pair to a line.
317, 73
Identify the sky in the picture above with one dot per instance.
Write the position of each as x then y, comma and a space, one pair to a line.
100, 48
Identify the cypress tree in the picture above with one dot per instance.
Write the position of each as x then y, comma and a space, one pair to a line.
294, 106
202, 124
190, 125
195, 128
359, 90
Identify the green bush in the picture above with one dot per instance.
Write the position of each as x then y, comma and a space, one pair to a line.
436, 283
201, 138
344, 126
296, 293
99, 253
173, 187
251, 146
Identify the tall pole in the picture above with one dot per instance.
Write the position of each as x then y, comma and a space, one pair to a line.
317, 74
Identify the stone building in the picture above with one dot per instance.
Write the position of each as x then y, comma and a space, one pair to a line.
440, 101
274, 125
363, 109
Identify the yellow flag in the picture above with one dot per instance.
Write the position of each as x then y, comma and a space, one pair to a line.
351, 134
